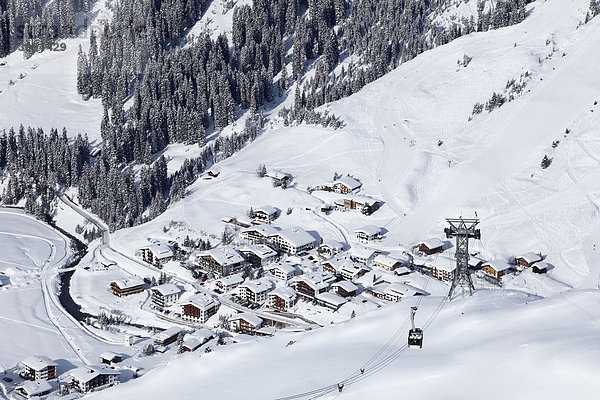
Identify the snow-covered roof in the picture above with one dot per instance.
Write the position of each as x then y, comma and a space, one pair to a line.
362, 252
346, 285
167, 289
357, 198
541, 265
35, 388
296, 236
498, 265
316, 280
385, 259
229, 280
433, 243
445, 266
202, 334
223, 255
331, 298
264, 230
266, 209
38, 362
160, 250
248, 317
86, 374
109, 355
369, 230
333, 244
259, 286
192, 343
129, 282
201, 300
402, 289
260, 250
352, 268
284, 292
348, 181
530, 257
172, 331
285, 268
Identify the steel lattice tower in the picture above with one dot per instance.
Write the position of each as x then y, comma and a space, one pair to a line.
463, 229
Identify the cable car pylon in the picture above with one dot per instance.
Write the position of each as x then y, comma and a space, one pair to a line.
463, 230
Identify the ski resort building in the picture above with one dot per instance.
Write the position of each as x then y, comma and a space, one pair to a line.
364, 204
495, 269
368, 233
293, 240
330, 300
222, 261
259, 234
330, 247
168, 336
165, 295
363, 255
282, 298
528, 259
126, 287
394, 291
387, 262
245, 323
265, 214
443, 271
34, 389
255, 291
283, 270
346, 184
310, 285
345, 268
157, 253
229, 282
39, 367
259, 255
344, 288
199, 308
85, 379
430, 246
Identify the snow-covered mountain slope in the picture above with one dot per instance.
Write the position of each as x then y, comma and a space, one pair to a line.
408, 138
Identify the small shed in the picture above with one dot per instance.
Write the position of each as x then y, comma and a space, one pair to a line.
540, 267
110, 358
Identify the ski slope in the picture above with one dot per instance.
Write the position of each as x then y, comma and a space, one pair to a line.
537, 337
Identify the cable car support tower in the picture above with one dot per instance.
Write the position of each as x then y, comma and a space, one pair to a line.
463, 229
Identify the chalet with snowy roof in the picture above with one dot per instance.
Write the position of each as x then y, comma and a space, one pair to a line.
528, 259
260, 234
259, 255
394, 291
309, 285
330, 247
157, 253
368, 233
39, 367
222, 261
194, 340
282, 298
34, 389
283, 270
387, 262
346, 184
165, 295
199, 308
255, 291
264, 214
168, 336
110, 358
495, 269
126, 287
86, 379
443, 271
364, 204
280, 178
344, 288
345, 268
430, 246
363, 255
330, 300
540, 267
245, 323
293, 240
229, 282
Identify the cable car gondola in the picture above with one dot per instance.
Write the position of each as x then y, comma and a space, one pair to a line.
415, 335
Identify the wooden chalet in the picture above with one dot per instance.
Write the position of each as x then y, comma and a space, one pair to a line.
39, 367
310, 285
168, 336
282, 298
431, 246
245, 323
344, 288
265, 214
387, 262
346, 184
110, 358
363, 204
331, 248
34, 389
528, 259
222, 261
199, 308
126, 287
193, 341
495, 269
540, 267
363, 255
